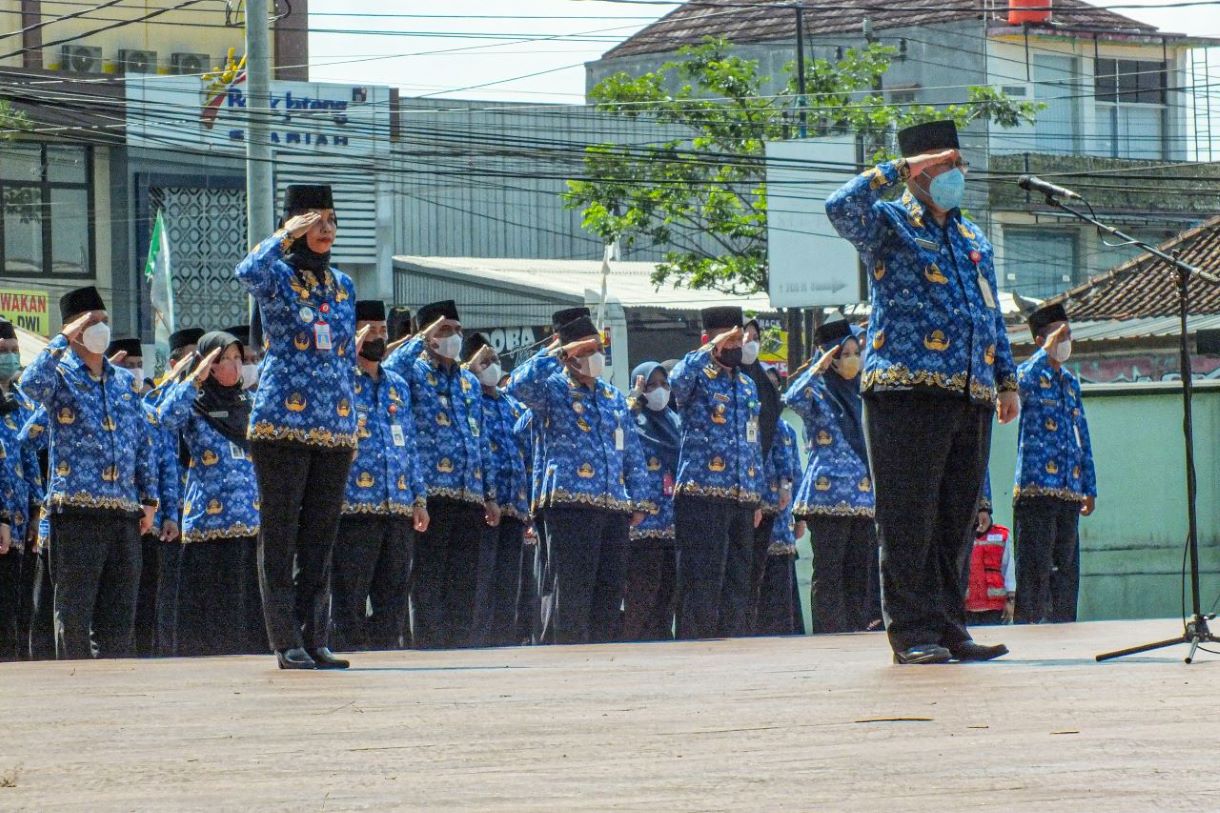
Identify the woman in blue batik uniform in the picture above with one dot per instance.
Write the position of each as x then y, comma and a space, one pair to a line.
303, 424
835, 497
648, 604
777, 609
219, 610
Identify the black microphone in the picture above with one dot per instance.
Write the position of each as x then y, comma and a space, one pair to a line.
1032, 183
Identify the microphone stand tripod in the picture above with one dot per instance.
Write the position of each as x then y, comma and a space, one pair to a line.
1196, 631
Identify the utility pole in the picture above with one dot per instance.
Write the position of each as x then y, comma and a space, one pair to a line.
796, 350
260, 188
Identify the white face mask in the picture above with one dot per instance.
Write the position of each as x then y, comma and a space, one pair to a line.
490, 375
593, 365
96, 338
658, 399
249, 376
449, 347
1063, 351
749, 352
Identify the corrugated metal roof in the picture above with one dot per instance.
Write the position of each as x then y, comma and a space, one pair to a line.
771, 21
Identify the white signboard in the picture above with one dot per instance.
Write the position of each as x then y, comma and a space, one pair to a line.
210, 113
809, 264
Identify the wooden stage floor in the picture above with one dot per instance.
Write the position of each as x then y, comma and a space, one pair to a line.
823, 723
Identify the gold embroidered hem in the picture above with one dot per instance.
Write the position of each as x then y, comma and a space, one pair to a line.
383, 508
562, 498
324, 438
457, 494
734, 494
840, 510
232, 532
1066, 494
653, 535
899, 376
92, 503
781, 549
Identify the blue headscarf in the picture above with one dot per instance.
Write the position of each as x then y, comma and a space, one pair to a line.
845, 395
660, 432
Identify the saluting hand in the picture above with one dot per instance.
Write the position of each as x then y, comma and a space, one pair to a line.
299, 224
734, 335
205, 366
485, 354
637, 389
1056, 337
431, 329
580, 349
361, 335
826, 360
77, 326
118, 357
929, 160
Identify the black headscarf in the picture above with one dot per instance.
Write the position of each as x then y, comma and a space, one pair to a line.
227, 409
304, 258
661, 430
845, 395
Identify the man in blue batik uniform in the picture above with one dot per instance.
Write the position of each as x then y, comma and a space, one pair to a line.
1056, 482
593, 485
103, 484
386, 502
22, 494
456, 462
720, 482
938, 364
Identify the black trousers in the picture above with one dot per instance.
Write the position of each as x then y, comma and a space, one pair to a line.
169, 567
839, 594
587, 569
715, 542
372, 565
499, 585
39, 615
758, 569
1048, 559
775, 610
301, 492
219, 582
652, 581
928, 454
146, 599
527, 594
542, 607
445, 575
95, 565
10, 603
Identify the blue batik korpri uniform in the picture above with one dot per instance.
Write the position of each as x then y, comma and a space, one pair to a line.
447, 402
721, 456
935, 321
1054, 452
221, 497
386, 478
593, 455
304, 393
836, 481
24, 494
783, 465
779, 612
99, 436
501, 413
35, 434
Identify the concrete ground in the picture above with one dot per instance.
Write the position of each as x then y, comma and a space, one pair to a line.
824, 723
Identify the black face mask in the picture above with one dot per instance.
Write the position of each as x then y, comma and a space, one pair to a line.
373, 349
730, 357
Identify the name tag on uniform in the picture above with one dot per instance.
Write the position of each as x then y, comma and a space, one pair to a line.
620, 441
667, 485
930, 245
474, 425
1079, 443
235, 451
752, 431
396, 432
985, 289
321, 336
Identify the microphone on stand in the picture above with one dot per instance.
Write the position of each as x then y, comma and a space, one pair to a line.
1032, 183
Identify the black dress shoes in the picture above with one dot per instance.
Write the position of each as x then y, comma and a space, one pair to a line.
924, 653
970, 651
295, 658
325, 659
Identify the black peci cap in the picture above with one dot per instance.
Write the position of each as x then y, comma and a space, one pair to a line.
721, 317
302, 197
399, 322
428, 314
1047, 315
7, 331
242, 332
128, 345
473, 344
74, 303
370, 310
181, 338
579, 328
832, 332
930, 136
561, 318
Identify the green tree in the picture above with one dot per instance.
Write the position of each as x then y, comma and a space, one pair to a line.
702, 195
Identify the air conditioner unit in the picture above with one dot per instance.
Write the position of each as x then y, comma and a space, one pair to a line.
80, 59
137, 61
183, 63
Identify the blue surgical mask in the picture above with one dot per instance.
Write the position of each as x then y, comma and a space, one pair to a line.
947, 188
10, 364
